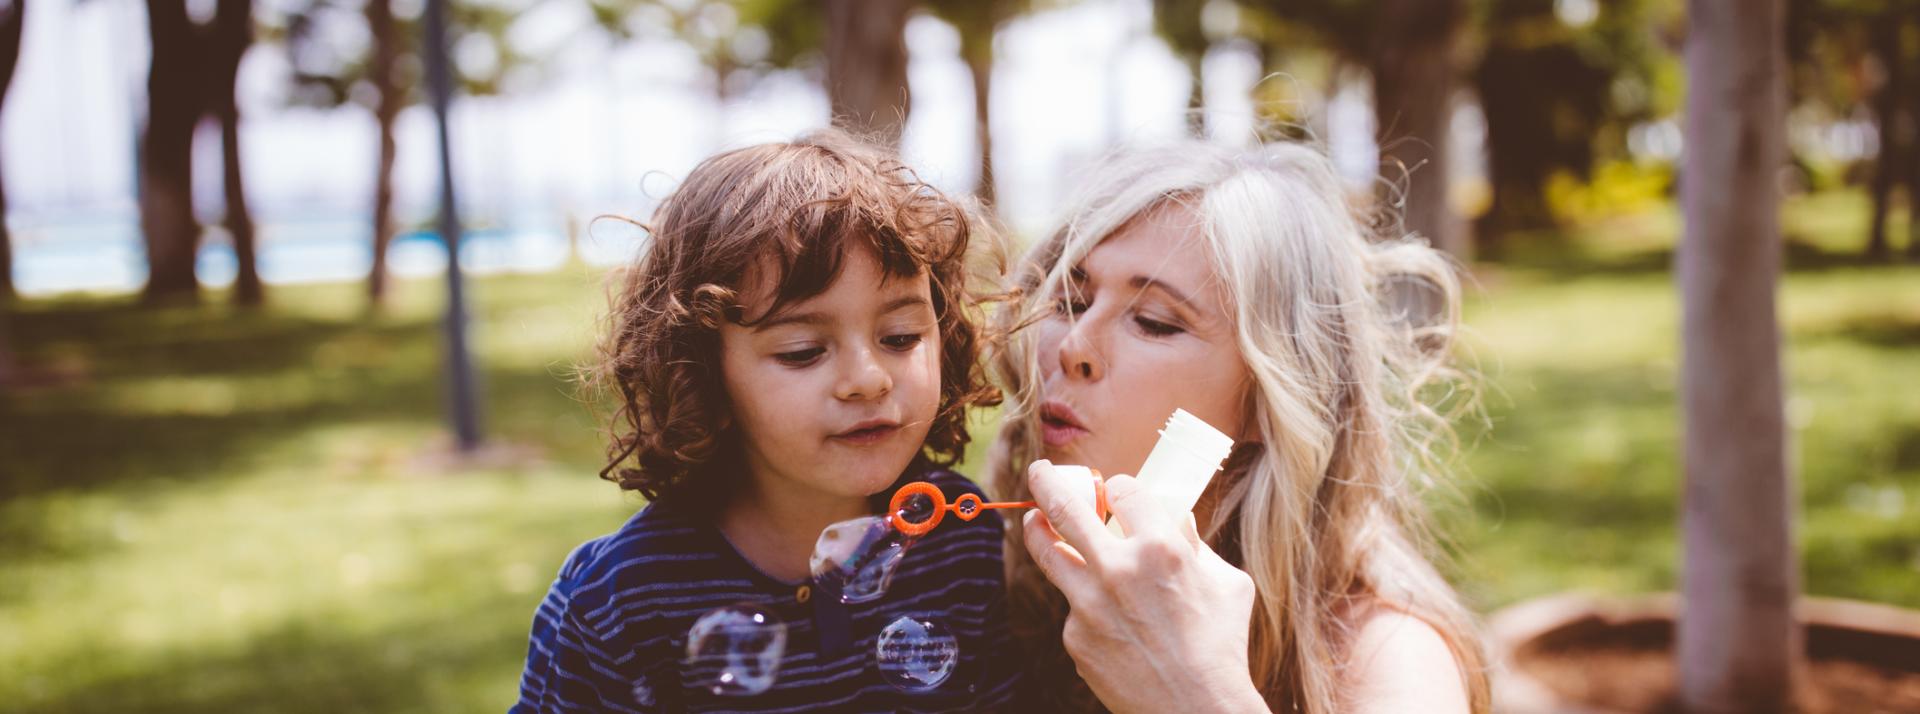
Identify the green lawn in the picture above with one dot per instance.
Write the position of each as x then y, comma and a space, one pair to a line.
231, 511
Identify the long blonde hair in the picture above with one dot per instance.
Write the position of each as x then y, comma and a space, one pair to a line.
1324, 510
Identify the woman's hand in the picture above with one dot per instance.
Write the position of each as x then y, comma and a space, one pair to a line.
1158, 621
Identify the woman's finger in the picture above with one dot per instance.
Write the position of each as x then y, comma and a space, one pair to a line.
1066, 498
1137, 510
1062, 565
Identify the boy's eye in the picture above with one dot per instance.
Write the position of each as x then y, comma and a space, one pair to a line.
800, 358
902, 342
1156, 328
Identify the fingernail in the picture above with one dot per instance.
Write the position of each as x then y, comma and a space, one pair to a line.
1028, 519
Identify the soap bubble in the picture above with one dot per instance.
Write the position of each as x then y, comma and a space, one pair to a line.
859, 557
916, 654
918, 508
736, 650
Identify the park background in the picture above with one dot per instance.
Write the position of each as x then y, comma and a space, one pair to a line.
228, 482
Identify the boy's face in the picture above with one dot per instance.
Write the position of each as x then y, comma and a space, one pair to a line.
834, 395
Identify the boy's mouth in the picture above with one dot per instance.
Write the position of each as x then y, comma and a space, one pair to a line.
868, 432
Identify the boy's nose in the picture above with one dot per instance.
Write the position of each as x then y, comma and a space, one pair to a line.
864, 378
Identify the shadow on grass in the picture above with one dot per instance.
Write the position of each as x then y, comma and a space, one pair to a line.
452, 662
1559, 259
1886, 331
197, 395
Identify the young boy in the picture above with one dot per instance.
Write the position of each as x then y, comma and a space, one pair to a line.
796, 343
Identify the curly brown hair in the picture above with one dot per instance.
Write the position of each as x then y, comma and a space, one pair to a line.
795, 208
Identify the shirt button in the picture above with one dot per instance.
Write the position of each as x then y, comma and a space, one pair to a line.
803, 594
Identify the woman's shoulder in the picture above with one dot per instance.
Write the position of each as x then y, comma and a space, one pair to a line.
1397, 661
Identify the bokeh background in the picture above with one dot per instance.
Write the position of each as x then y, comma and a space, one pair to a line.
227, 479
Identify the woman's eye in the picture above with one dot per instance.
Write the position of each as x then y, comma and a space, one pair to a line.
800, 358
1157, 328
902, 342
1069, 306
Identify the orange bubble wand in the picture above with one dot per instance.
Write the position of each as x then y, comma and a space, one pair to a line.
966, 507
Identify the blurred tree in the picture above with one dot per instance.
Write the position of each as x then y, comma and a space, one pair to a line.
866, 51
12, 19
1181, 23
174, 106
1853, 56
368, 55
191, 76
978, 21
1558, 94
1737, 643
463, 394
1413, 60
1410, 48
737, 40
229, 37
1895, 127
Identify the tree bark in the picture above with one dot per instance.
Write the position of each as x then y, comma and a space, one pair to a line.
232, 34
1413, 82
867, 67
978, 53
167, 223
1887, 106
11, 25
1738, 642
381, 68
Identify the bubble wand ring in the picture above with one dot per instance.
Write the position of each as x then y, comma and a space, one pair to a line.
966, 507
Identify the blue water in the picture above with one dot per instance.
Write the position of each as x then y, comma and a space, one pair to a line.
96, 254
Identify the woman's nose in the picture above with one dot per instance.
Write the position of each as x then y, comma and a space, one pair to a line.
863, 378
1078, 358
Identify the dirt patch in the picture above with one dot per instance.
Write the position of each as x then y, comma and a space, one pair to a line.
1628, 666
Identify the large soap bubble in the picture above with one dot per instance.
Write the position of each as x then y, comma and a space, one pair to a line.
857, 557
735, 651
916, 654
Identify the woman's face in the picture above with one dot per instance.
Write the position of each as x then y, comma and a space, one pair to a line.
1142, 329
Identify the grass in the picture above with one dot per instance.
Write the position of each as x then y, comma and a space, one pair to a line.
223, 510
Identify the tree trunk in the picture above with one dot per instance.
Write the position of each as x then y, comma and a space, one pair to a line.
1887, 106
232, 34
1413, 81
867, 67
174, 105
1737, 639
1913, 158
1197, 96
385, 60
978, 53
463, 393
10, 26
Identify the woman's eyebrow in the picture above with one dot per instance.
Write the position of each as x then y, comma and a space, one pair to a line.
1142, 282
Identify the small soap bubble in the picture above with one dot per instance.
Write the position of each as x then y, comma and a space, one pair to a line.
642, 692
916, 654
736, 651
918, 508
858, 557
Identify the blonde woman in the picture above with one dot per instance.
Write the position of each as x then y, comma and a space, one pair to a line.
1240, 286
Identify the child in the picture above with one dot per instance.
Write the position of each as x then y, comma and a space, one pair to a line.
796, 343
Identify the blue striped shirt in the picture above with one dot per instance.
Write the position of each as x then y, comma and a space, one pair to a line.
611, 634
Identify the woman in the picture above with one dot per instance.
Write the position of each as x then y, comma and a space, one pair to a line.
1241, 287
